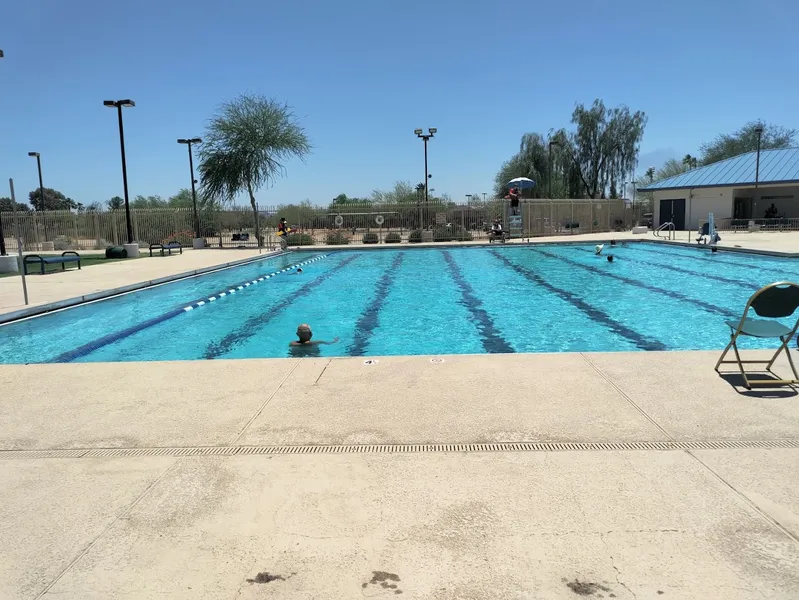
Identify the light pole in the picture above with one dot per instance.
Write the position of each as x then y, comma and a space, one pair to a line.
484, 197
426, 137
551, 143
189, 142
634, 183
759, 132
2, 235
119, 104
41, 189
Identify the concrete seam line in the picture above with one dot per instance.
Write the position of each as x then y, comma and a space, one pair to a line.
130, 507
765, 516
626, 397
267, 401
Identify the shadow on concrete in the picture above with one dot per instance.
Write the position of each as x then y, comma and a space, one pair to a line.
777, 391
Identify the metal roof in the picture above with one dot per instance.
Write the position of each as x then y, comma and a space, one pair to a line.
776, 166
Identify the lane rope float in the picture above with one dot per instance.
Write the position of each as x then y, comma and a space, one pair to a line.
236, 288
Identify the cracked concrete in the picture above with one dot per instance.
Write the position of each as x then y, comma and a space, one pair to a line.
699, 524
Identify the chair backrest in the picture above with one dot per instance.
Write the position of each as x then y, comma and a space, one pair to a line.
776, 300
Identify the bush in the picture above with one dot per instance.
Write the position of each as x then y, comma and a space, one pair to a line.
370, 238
62, 242
299, 239
444, 233
394, 238
336, 238
415, 236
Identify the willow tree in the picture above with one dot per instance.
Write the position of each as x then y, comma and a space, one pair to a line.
605, 145
246, 146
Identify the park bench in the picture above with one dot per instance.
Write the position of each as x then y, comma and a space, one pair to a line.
66, 257
166, 248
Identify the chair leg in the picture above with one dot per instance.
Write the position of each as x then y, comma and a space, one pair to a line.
747, 385
776, 354
790, 360
723, 354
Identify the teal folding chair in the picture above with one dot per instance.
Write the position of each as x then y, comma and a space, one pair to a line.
774, 301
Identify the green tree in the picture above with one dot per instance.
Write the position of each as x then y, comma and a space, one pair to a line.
53, 200
116, 203
745, 140
148, 202
6, 205
689, 161
246, 146
605, 145
183, 199
650, 174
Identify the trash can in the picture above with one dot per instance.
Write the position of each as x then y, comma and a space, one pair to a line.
116, 252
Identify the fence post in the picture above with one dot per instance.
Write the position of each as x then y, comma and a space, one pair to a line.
135, 225
75, 230
114, 227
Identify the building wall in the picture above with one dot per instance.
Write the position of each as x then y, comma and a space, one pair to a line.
785, 199
698, 203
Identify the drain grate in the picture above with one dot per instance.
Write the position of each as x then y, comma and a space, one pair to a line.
402, 448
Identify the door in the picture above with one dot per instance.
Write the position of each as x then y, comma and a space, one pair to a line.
742, 208
673, 211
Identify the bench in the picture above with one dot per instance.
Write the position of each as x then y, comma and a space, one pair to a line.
66, 257
166, 248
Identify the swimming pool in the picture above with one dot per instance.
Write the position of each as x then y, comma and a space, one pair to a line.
542, 298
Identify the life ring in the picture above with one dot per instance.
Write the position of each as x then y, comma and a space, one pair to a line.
339, 220
379, 219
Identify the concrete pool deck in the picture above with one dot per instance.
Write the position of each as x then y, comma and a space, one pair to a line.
633, 475
613, 475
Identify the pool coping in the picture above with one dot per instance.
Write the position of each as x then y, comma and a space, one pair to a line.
125, 289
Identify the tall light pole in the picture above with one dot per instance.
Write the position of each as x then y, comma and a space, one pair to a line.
759, 132
2, 235
426, 137
41, 189
551, 143
119, 104
484, 197
189, 142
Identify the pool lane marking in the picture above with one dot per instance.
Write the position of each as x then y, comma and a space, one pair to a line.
592, 312
493, 343
717, 259
241, 286
248, 329
369, 319
116, 336
738, 282
635, 283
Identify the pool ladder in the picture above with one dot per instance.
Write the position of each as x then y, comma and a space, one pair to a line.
671, 233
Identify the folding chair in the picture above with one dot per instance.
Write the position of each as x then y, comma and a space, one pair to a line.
774, 301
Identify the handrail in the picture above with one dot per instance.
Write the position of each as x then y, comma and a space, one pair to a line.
669, 228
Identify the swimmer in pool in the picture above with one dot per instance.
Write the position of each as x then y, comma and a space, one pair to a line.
610, 258
305, 334
598, 249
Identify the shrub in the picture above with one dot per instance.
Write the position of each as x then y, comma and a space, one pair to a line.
415, 236
393, 238
299, 239
444, 233
62, 242
336, 238
370, 238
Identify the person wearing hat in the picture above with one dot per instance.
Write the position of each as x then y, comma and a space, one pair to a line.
305, 334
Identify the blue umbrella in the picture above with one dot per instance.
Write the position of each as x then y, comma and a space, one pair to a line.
523, 183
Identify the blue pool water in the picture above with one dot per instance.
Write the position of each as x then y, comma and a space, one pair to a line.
546, 298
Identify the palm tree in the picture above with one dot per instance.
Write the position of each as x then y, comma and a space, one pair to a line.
115, 203
689, 161
650, 174
246, 146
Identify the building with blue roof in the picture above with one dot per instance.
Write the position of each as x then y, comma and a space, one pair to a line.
730, 189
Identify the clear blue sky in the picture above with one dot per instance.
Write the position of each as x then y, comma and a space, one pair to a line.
362, 74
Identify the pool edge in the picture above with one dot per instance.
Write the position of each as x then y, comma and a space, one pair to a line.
35, 311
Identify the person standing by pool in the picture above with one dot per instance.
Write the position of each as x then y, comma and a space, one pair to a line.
514, 200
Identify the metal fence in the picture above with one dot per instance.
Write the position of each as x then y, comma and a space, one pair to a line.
312, 225
768, 225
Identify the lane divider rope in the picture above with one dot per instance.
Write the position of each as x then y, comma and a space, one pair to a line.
244, 285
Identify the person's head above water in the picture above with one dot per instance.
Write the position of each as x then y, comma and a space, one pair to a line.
299, 269
598, 249
610, 258
304, 332
612, 242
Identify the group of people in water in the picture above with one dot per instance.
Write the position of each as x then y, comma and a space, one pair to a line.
599, 247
